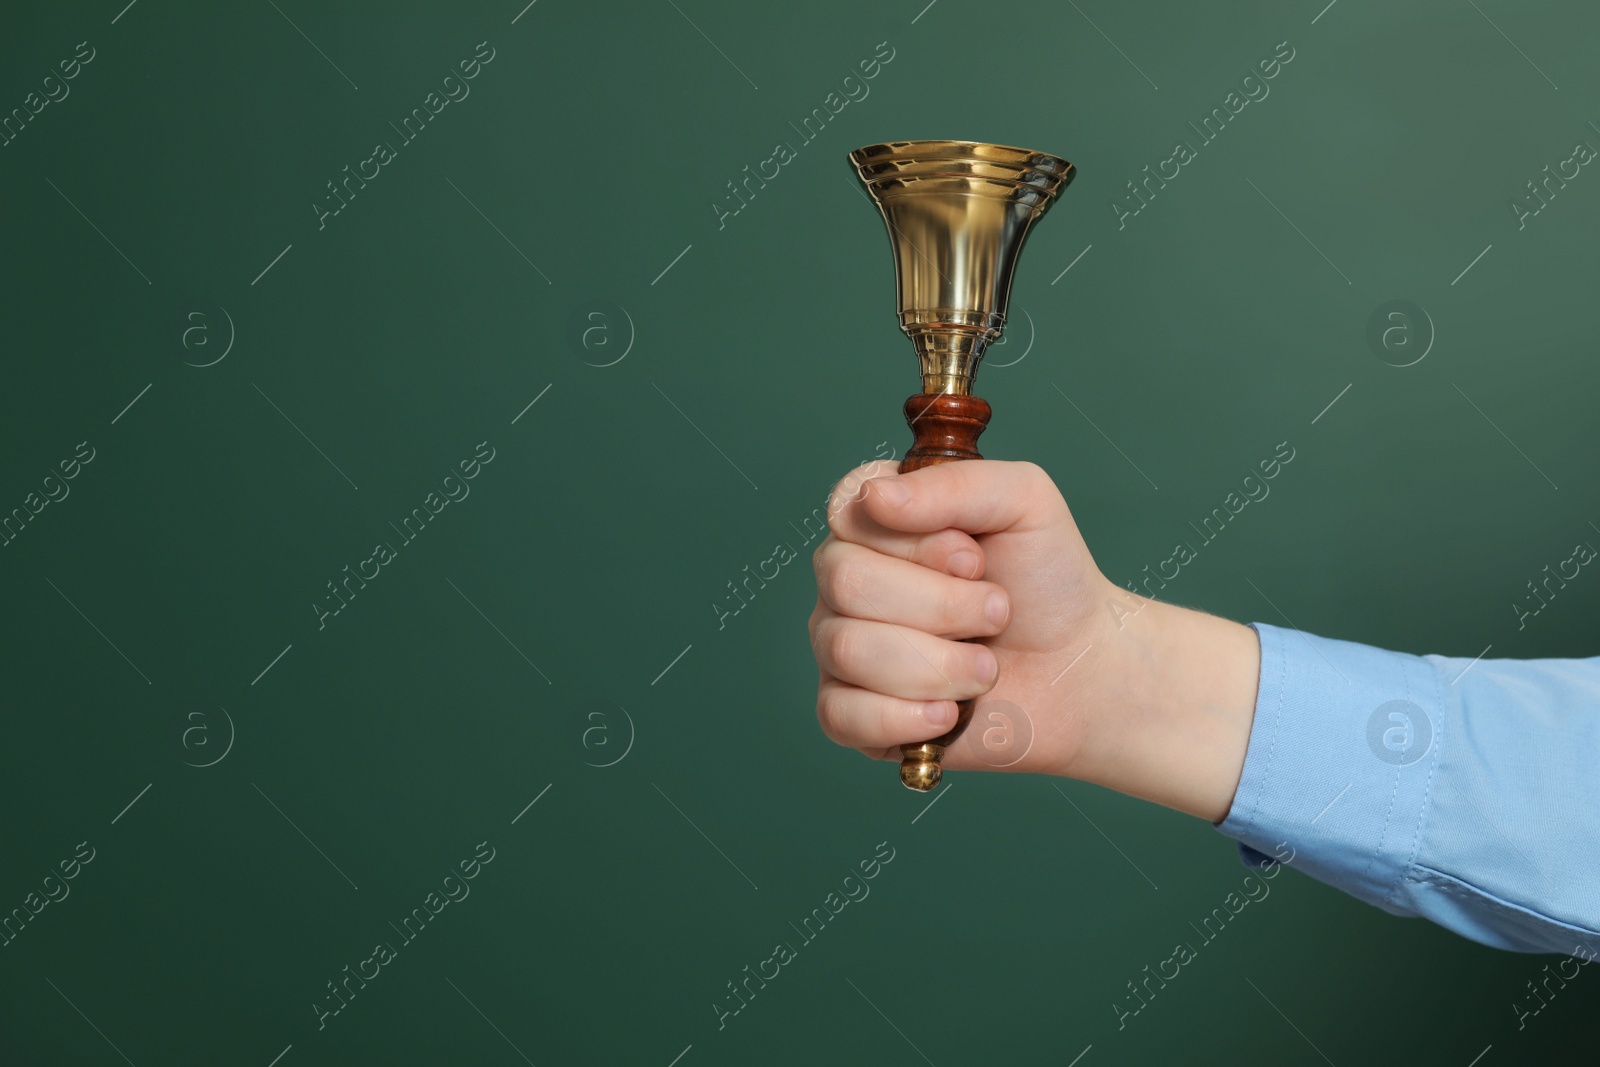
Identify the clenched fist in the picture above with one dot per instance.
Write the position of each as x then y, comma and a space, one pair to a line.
1141, 696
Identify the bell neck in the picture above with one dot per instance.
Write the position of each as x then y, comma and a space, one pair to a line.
949, 355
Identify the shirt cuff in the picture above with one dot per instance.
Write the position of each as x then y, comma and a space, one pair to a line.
1340, 762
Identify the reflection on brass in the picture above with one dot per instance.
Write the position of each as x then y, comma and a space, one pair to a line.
920, 766
957, 213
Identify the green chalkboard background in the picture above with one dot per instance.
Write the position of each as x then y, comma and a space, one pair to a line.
267, 388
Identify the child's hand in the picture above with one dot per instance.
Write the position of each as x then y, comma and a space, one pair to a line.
1090, 680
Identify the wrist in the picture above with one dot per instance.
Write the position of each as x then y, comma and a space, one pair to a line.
1168, 715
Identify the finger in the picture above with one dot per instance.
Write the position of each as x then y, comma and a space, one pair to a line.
902, 662
865, 584
978, 496
950, 551
879, 724
947, 551
876, 752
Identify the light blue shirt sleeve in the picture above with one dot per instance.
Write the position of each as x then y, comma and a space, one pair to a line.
1464, 791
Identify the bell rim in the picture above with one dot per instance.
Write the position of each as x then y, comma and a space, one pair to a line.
897, 168
935, 151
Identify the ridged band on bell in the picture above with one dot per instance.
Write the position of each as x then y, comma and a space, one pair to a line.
957, 213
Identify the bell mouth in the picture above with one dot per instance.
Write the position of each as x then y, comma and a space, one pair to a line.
970, 168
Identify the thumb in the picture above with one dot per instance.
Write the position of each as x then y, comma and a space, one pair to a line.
977, 496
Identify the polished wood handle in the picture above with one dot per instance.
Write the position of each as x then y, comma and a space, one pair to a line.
945, 428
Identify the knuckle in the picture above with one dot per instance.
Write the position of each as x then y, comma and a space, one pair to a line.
834, 494
843, 581
837, 512
1032, 473
828, 711
837, 525
1037, 480
844, 645
819, 638
847, 490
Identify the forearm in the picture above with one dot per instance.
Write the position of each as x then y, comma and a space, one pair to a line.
1169, 706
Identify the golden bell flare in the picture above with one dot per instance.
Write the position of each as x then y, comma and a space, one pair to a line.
958, 213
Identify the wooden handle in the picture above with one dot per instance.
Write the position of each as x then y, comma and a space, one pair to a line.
945, 428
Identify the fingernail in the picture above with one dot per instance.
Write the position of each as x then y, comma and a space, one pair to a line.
988, 666
892, 490
995, 608
939, 712
964, 564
